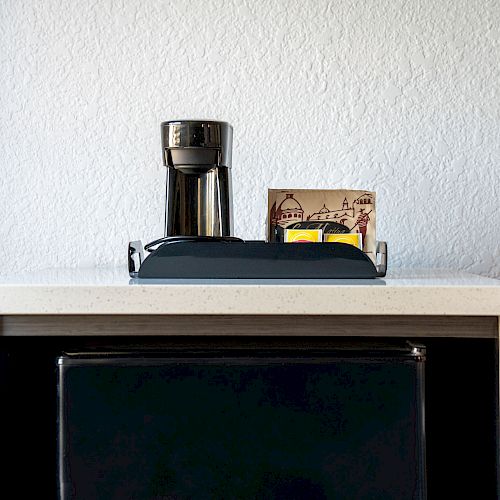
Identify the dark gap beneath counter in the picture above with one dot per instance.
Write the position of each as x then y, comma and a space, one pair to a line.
461, 405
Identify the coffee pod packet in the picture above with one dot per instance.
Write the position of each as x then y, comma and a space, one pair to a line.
303, 235
354, 239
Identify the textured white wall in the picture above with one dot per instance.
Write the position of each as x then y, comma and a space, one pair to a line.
401, 97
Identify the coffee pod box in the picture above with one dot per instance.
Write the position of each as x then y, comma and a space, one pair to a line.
333, 211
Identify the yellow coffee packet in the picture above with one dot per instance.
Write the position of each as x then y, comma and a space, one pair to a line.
354, 239
303, 235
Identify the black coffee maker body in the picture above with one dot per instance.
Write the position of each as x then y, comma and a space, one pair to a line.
197, 155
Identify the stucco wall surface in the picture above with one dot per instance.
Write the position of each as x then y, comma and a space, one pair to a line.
399, 97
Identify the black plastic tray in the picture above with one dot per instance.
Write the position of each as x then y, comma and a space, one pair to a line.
208, 258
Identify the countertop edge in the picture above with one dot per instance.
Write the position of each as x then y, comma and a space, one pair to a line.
183, 299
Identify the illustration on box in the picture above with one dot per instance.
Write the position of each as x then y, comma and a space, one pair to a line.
334, 212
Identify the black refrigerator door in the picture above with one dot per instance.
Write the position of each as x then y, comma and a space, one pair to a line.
241, 427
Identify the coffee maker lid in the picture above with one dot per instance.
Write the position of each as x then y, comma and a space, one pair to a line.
215, 137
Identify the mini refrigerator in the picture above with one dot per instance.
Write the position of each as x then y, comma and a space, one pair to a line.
345, 422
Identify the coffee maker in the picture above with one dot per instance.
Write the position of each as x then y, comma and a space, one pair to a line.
197, 155
198, 241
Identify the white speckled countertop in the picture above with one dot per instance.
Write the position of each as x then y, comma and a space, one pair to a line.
110, 291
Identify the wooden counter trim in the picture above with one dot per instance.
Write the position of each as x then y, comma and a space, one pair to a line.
240, 325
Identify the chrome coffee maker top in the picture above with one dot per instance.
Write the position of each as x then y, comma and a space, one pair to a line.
196, 144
